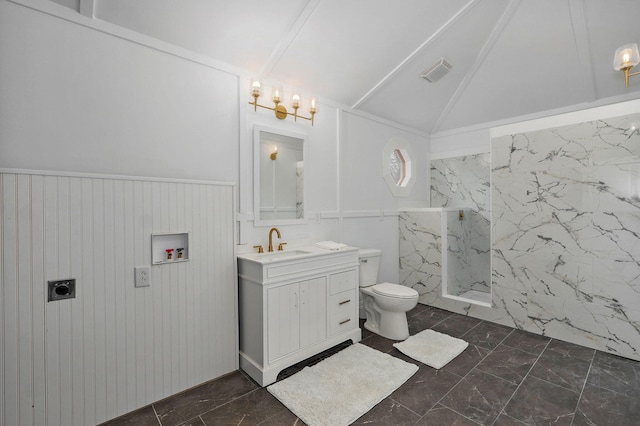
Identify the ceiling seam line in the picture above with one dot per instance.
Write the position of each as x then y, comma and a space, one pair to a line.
286, 41
482, 55
581, 39
413, 54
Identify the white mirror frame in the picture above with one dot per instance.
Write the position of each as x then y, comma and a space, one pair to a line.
402, 189
257, 129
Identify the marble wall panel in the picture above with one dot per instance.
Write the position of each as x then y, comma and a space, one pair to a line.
468, 250
566, 232
616, 142
544, 272
623, 279
420, 251
458, 263
461, 182
616, 187
537, 191
549, 149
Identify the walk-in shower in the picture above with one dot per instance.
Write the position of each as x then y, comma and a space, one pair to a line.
466, 263
460, 185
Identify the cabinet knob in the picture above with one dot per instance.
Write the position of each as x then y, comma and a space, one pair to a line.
345, 302
345, 321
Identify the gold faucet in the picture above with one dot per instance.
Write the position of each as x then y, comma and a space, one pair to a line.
270, 237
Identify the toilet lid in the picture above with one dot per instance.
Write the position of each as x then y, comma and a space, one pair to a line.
394, 290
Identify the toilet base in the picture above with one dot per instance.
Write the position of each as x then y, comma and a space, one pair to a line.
392, 325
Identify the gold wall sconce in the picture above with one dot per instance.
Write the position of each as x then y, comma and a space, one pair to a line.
274, 154
626, 57
279, 109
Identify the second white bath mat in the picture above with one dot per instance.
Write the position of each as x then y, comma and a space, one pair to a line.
432, 348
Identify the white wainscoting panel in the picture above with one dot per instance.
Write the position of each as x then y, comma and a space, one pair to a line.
113, 348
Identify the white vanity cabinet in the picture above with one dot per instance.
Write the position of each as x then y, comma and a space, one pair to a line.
294, 307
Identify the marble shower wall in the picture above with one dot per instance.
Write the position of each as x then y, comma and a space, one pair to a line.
463, 183
420, 252
566, 232
468, 251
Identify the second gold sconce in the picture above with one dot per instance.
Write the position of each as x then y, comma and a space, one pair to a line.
625, 58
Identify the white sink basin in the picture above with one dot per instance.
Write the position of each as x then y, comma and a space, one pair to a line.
283, 254
287, 255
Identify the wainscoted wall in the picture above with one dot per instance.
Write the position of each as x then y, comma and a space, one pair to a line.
565, 236
114, 347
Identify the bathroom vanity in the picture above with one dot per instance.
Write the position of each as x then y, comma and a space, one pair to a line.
293, 305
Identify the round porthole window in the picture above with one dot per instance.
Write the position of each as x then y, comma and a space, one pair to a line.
397, 162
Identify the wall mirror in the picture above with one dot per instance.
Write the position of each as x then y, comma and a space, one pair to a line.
279, 184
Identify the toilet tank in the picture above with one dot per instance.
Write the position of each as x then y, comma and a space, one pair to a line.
369, 266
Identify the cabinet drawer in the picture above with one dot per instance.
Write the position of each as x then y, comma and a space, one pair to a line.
343, 312
343, 281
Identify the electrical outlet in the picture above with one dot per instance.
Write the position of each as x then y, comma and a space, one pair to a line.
61, 289
143, 276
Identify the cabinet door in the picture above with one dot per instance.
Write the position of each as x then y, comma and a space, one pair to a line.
283, 320
313, 311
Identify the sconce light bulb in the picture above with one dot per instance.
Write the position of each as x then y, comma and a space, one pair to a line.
276, 93
255, 88
295, 100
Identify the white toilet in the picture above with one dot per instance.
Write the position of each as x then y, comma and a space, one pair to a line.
385, 305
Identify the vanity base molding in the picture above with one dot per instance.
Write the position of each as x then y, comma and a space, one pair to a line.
265, 376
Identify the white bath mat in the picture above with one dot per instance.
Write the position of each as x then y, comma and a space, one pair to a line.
343, 387
432, 348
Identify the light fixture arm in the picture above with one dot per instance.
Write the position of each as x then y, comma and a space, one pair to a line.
628, 74
281, 111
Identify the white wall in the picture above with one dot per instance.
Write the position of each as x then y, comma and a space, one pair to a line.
76, 99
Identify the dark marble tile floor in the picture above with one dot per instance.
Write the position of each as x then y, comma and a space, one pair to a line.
505, 377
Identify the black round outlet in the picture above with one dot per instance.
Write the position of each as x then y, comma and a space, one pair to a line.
62, 290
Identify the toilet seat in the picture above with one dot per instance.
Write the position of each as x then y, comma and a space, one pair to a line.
394, 290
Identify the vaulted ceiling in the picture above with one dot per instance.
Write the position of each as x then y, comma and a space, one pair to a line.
510, 57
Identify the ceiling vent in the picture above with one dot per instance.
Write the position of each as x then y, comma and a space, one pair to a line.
436, 71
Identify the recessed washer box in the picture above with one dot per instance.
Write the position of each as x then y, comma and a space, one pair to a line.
176, 242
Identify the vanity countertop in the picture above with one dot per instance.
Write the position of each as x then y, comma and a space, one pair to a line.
290, 254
